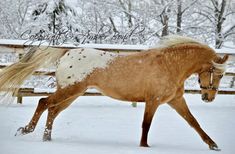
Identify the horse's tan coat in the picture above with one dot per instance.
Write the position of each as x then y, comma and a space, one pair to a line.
148, 75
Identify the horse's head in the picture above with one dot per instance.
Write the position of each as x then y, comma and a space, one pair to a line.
210, 76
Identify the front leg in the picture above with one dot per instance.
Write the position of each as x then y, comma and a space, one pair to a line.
181, 107
150, 108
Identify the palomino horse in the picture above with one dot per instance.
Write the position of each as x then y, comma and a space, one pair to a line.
155, 76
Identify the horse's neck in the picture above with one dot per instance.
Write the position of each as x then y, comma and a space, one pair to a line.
182, 64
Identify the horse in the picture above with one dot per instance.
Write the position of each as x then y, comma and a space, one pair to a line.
155, 76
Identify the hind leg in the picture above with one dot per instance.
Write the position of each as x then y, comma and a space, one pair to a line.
53, 112
53, 100
42, 106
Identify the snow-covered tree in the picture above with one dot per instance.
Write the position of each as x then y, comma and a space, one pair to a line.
14, 17
216, 14
55, 19
117, 21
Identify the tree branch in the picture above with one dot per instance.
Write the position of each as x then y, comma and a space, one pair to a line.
190, 5
229, 31
206, 15
112, 23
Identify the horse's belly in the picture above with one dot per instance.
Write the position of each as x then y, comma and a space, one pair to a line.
119, 92
77, 64
134, 90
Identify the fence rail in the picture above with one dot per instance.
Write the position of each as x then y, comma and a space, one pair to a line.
19, 48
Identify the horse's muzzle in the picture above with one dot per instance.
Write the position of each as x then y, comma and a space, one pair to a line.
206, 99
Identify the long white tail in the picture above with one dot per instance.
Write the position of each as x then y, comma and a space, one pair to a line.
13, 76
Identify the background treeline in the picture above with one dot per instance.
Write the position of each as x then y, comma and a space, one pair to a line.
118, 21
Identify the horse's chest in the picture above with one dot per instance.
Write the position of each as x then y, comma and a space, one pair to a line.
76, 64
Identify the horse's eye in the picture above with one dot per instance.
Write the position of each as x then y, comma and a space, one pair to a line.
220, 76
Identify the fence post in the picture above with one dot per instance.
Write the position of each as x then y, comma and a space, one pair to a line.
20, 55
19, 99
134, 104
232, 82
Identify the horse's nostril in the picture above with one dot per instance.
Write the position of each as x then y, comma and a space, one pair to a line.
205, 96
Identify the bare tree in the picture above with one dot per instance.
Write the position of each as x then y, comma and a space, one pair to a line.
211, 21
127, 9
13, 21
217, 12
180, 11
179, 16
165, 20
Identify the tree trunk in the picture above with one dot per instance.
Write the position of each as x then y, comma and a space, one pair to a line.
53, 26
127, 10
113, 25
219, 20
165, 25
164, 20
179, 16
128, 15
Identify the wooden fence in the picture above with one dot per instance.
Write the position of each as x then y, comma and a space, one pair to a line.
19, 48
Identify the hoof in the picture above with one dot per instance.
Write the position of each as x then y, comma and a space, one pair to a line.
46, 138
144, 145
214, 147
20, 131
47, 135
23, 131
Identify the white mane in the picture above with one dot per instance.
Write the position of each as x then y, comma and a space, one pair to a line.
171, 40
221, 67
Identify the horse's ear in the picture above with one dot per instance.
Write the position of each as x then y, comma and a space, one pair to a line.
225, 58
220, 60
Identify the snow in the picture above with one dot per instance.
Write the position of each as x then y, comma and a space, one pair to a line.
44, 90
115, 47
102, 125
52, 90
229, 49
12, 42
90, 45
6, 63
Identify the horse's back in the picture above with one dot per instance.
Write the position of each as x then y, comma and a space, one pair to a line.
77, 64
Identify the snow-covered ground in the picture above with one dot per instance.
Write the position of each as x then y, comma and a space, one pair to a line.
100, 125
